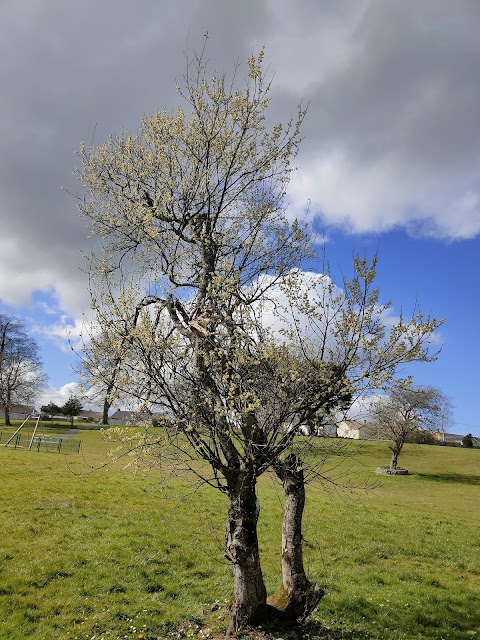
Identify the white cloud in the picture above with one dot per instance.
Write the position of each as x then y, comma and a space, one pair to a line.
373, 198
59, 396
62, 394
67, 334
361, 408
277, 312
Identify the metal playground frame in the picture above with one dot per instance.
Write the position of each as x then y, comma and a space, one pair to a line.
55, 444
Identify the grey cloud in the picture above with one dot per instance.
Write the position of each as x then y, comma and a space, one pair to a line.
80, 71
393, 97
409, 85
392, 115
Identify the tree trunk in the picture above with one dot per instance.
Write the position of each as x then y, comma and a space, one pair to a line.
297, 597
7, 415
106, 408
111, 385
249, 596
395, 449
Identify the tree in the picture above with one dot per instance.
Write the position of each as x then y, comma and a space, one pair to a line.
51, 409
408, 411
197, 249
467, 440
100, 368
446, 416
72, 408
21, 376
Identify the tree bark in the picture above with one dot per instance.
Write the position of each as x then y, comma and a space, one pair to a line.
8, 402
395, 449
298, 596
250, 595
106, 409
7, 415
111, 385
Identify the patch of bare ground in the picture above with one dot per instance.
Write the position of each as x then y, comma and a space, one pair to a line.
209, 629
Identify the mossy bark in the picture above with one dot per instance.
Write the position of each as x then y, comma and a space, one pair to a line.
298, 596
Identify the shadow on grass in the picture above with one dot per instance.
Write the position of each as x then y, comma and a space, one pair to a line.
309, 631
450, 477
316, 631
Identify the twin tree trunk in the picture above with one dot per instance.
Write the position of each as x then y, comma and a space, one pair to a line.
297, 597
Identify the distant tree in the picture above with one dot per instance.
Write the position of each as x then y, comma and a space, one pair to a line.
100, 369
407, 412
72, 408
467, 440
51, 410
420, 436
21, 375
445, 417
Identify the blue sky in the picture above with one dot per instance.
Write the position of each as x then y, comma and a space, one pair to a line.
441, 278
390, 160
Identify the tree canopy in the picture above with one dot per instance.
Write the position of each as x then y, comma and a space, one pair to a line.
196, 248
21, 376
409, 410
72, 407
51, 409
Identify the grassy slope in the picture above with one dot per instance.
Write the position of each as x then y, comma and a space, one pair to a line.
113, 555
404, 563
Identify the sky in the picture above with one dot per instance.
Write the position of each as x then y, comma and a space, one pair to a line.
390, 161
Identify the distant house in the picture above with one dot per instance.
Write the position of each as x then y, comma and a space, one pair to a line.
121, 417
89, 416
454, 439
128, 418
356, 430
327, 431
303, 429
57, 416
306, 429
18, 411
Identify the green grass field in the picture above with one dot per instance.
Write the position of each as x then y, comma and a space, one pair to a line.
108, 554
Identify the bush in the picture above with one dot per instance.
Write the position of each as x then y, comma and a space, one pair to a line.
467, 440
421, 437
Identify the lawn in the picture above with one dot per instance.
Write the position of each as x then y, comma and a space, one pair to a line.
109, 554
